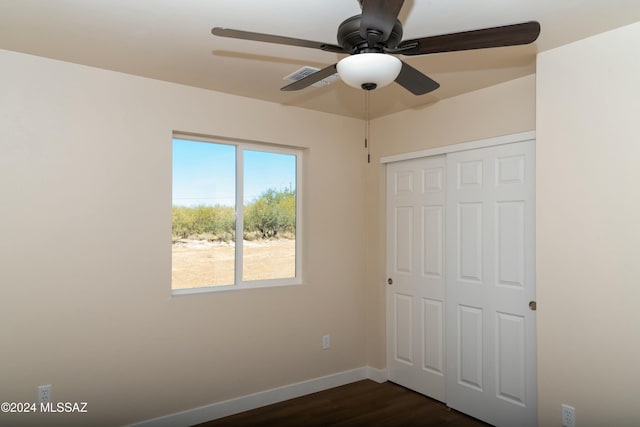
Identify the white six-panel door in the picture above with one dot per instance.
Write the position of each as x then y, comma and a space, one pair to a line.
415, 263
460, 259
491, 370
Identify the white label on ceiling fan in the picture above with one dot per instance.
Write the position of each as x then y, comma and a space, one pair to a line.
305, 71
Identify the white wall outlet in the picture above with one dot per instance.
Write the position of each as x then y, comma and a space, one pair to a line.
44, 393
326, 342
568, 416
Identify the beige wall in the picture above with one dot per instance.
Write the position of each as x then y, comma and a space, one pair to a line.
85, 250
588, 230
504, 109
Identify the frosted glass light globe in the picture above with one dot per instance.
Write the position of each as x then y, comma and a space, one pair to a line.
361, 69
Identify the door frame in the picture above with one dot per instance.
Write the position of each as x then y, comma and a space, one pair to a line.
464, 146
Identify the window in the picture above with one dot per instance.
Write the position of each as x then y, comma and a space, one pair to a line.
235, 215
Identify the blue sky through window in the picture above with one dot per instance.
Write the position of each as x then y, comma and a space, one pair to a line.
204, 173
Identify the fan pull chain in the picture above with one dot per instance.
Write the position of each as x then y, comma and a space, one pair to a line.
366, 125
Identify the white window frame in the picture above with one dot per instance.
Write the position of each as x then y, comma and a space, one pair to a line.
241, 147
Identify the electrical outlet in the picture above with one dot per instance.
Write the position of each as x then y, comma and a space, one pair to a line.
44, 393
568, 416
326, 342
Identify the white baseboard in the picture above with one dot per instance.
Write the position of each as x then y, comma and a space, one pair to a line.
377, 375
263, 398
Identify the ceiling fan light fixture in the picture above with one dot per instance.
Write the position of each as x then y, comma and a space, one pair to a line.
369, 70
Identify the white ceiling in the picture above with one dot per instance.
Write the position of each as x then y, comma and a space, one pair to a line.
171, 40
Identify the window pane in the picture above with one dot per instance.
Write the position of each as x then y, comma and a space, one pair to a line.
203, 219
269, 247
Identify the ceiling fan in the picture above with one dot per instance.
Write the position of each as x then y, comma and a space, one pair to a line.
372, 38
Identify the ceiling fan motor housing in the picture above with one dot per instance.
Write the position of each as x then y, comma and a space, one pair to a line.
350, 39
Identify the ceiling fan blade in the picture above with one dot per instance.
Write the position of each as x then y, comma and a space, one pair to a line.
269, 38
311, 78
415, 81
508, 35
379, 15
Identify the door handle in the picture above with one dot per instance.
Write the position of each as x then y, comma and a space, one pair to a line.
532, 305
390, 281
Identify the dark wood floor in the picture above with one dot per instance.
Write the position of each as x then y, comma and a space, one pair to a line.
363, 403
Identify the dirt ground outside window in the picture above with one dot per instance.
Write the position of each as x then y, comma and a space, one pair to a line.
199, 263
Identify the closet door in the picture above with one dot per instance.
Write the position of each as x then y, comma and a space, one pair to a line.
415, 267
491, 328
